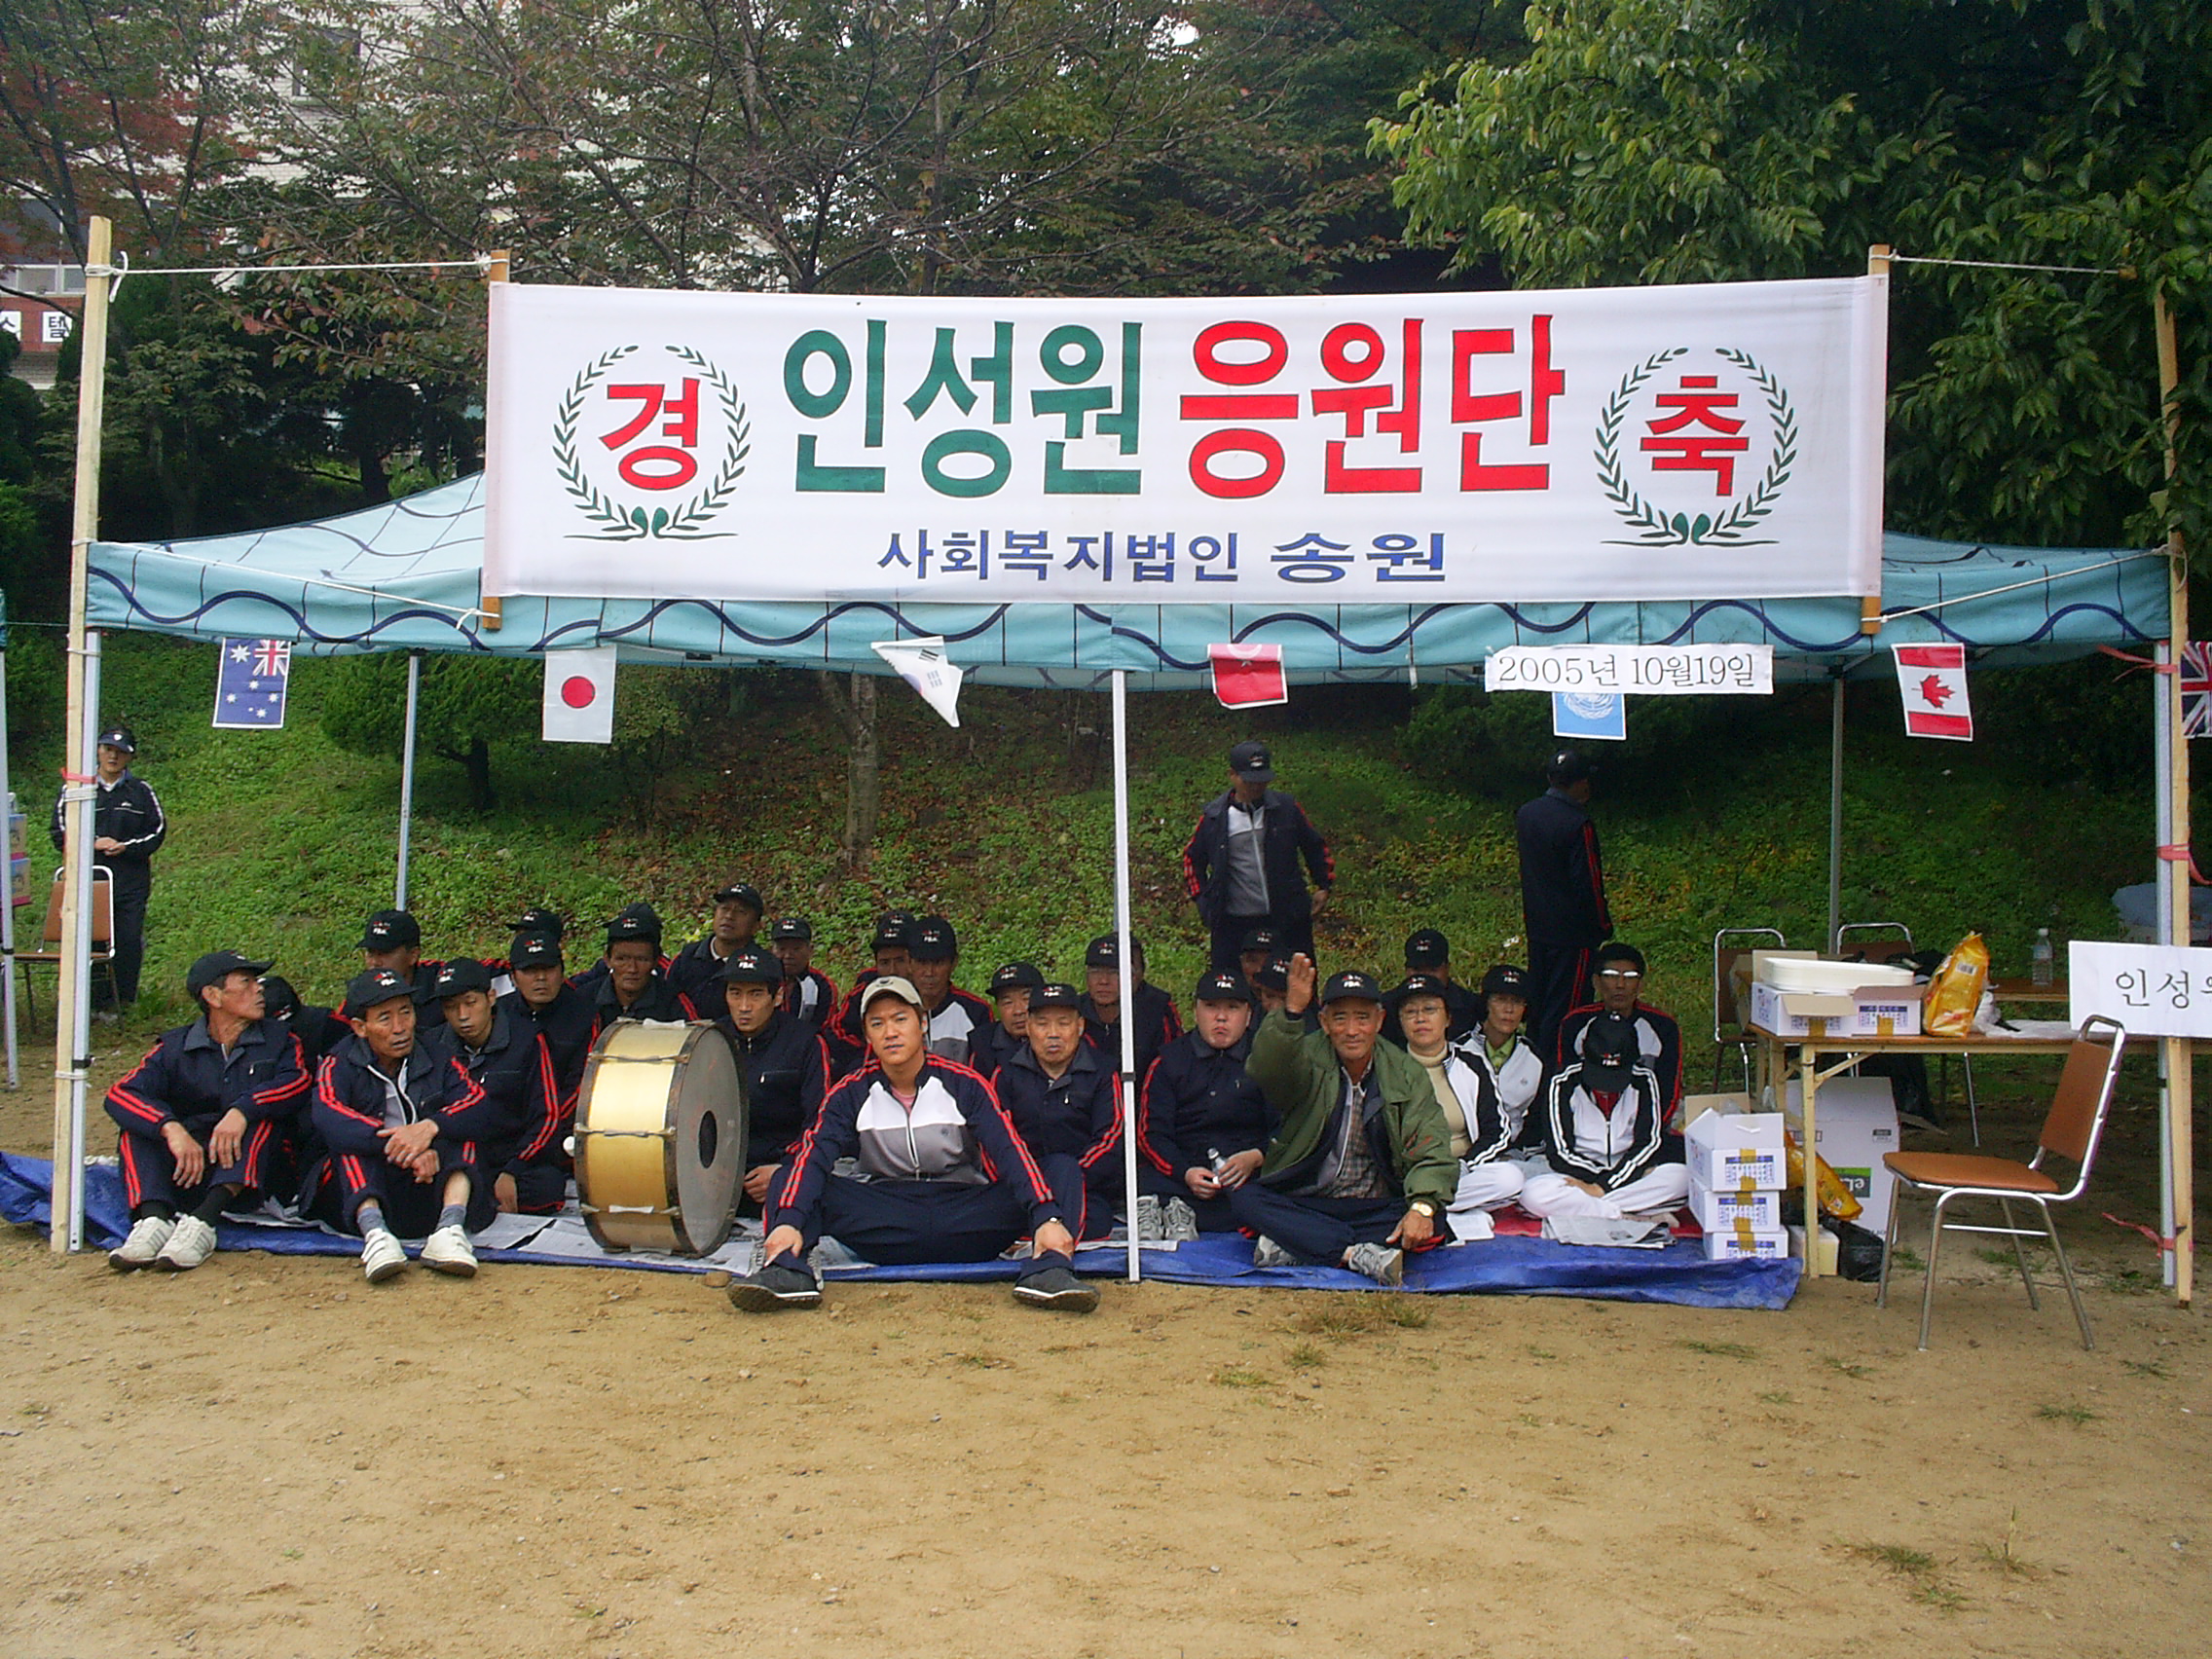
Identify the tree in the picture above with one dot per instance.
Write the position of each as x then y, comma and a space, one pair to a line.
1638, 141
467, 704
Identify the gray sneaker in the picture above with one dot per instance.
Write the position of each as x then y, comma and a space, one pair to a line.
147, 1238
1266, 1253
1147, 1221
192, 1243
1182, 1221
1378, 1261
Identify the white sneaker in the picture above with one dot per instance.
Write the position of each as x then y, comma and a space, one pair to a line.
1182, 1221
448, 1252
381, 1256
1378, 1261
1146, 1220
192, 1243
145, 1242
1266, 1253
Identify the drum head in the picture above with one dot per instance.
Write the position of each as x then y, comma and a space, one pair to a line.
708, 1114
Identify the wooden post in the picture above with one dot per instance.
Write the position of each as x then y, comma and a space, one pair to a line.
488, 604
72, 1062
2181, 1052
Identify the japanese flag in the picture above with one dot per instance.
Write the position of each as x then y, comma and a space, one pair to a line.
923, 665
1932, 680
579, 695
1248, 676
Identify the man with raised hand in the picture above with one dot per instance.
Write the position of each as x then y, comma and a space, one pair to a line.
1242, 864
940, 1174
203, 1114
1200, 1111
1360, 1168
782, 1059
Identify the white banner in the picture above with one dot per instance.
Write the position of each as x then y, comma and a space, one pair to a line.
2154, 990
1642, 671
1693, 442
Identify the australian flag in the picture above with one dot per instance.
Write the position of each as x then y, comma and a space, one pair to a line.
249, 685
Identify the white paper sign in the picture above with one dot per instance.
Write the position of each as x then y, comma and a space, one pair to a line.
1641, 671
2154, 990
1699, 441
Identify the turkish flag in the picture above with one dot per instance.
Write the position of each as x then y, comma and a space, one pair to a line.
1932, 680
579, 696
1248, 676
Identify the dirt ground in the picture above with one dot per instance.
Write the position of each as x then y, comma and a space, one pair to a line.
271, 1457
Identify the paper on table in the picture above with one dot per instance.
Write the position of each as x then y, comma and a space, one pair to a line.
1613, 1234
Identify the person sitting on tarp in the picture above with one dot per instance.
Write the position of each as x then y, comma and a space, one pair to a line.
317, 1028
636, 986
399, 1126
807, 993
1428, 953
1502, 1043
696, 970
1480, 1138
1360, 1168
204, 1114
941, 1174
1199, 1109
1605, 1134
1157, 1023
957, 1017
782, 1059
522, 1152
556, 1010
1620, 978
848, 1042
1009, 1030
1059, 1090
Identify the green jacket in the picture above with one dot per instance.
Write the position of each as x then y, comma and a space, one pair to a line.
1303, 1080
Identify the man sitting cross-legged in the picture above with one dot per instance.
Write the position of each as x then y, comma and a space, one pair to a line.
1058, 1088
400, 1126
1605, 1134
1200, 1108
1362, 1168
202, 1114
942, 1175
528, 1117
782, 1059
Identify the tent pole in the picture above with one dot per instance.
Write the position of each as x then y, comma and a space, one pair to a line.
1835, 814
91, 750
71, 1062
407, 779
8, 909
1126, 956
2181, 1052
2166, 875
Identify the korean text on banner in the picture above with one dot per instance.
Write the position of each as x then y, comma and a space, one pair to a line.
2154, 990
1688, 442
1645, 671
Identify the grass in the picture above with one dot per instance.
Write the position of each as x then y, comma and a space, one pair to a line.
2145, 1367
1340, 1318
1307, 1355
1242, 1377
1918, 1568
1909, 1259
1779, 1397
1847, 1368
2075, 1415
1535, 1353
2004, 1558
1719, 1351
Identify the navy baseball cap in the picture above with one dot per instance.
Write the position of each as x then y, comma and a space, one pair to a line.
539, 920
1015, 977
1570, 766
792, 928
1252, 760
752, 968
1508, 980
1420, 985
534, 950
1275, 976
120, 737
1222, 987
1105, 952
1610, 1052
462, 974
390, 930
894, 930
278, 998
1427, 949
365, 990
639, 921
741, 892
932, 940
1052, 995
217, 967
1259, 938
1350, 985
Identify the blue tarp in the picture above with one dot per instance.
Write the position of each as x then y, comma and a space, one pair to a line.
405, 576
1679, 1274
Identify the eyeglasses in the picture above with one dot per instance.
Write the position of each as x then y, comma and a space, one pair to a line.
1629, 975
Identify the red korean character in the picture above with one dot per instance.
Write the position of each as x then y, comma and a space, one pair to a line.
1352, 352
683, 428
1697, 403
1545, 383
1205, 352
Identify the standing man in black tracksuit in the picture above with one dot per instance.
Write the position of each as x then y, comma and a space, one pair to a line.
1563, 894
127, 830
1241, 863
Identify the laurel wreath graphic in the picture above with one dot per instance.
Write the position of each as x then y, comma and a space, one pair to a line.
1681, 529
687, 521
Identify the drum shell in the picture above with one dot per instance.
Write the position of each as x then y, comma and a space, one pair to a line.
660, 1114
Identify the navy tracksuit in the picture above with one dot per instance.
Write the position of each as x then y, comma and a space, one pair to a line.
350, 1106
187, 1079
1073, 1124
947, 1179
125, 811
1563, 906
568, 1023
1287, 838
528, 1116
659, 1000
786, 1069
1158, 1025
1199, 1099
809, 996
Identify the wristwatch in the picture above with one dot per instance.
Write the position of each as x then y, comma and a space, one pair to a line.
1426, 1206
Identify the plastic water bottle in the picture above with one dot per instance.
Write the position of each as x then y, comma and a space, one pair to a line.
2040, 958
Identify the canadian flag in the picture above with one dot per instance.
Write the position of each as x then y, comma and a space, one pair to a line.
579, 696
1248, 676
1932, 680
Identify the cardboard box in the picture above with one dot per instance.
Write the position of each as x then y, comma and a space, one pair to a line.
19, 881
18, 845
1827, 1249
1871, 1010
1736, 1151
1696, 1106
1856, 1127
1733, 1246
1720, 1211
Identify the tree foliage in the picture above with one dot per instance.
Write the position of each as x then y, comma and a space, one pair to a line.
466, 705
1636, 141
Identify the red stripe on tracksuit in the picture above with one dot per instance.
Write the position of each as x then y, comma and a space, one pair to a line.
1144, 1121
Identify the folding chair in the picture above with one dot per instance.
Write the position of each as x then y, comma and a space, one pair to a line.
1888, 950
103, 940
2072, 1129
1732, 949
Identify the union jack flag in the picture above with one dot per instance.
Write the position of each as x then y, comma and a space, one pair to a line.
250, 682
2196, 689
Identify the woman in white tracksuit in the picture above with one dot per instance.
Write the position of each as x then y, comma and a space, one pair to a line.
1605, 1136
1482, 1137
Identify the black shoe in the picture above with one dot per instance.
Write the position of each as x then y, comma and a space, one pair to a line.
779, 1284
1058, 1288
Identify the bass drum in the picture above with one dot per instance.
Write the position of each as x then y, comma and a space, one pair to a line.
660, 1137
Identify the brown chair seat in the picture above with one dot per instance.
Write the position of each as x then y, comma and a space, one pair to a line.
1966, 1169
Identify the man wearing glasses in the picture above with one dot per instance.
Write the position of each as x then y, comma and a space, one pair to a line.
1620, 979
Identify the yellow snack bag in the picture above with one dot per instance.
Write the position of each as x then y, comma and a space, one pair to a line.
1954, 994
1835, 1197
